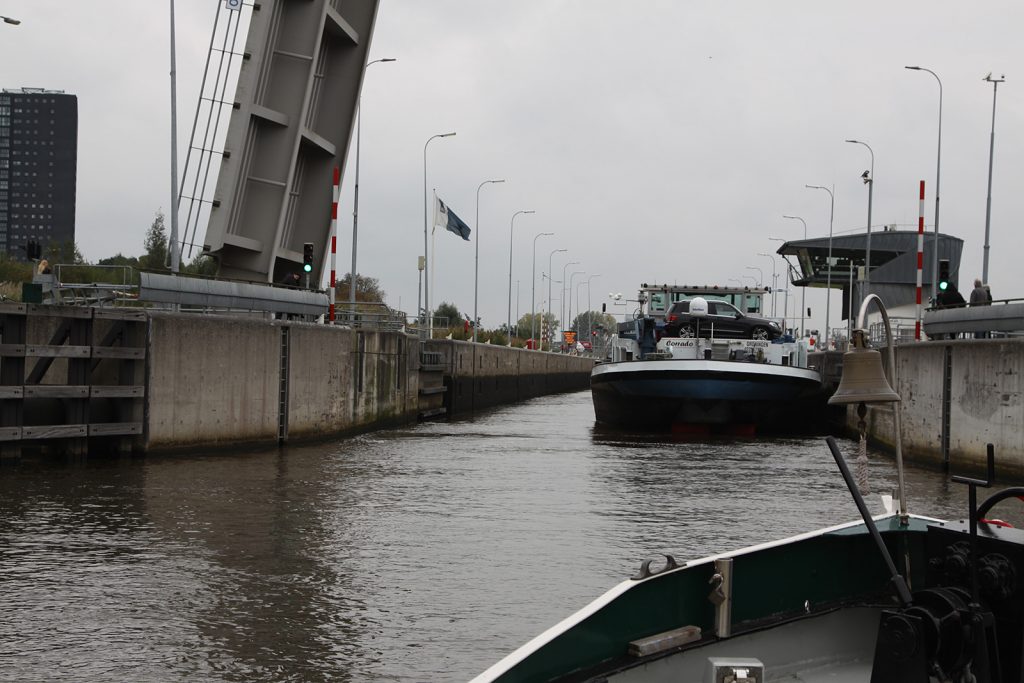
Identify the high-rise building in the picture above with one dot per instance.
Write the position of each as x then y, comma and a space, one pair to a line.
38, 167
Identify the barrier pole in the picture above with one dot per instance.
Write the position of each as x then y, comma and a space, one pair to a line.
920, 262
334, 241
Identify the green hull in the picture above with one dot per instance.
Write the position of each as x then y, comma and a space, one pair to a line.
795, 579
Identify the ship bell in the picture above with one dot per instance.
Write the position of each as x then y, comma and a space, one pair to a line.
863, 379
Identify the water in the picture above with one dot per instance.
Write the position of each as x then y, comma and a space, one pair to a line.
420, 554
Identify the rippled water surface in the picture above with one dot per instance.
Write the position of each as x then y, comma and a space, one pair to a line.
421, 554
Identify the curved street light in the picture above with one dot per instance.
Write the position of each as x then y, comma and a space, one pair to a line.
590, 317
775, 281
869, 180
533, 289
938, 171
561, 304
550, 278
355, 193
511, 230
476, 258
11, 20
828, 265
428, 320
760, 274
991, 152
568, 293
803, 290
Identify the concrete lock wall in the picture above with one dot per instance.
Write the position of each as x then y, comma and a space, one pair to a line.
211, 380
344, 379
216, 380
981, 385
481, 375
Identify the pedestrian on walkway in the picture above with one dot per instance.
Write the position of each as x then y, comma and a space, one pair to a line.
980, 296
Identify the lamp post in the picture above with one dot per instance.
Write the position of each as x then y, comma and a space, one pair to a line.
738, 282
775, 283
355, 195
11, 20
427, 320
561, 304
869, 180
938, 169
569, 295
803, 290
828, 276
175, 248
551, 332
760, 275
789, 282
476, 259
752, 279
511, 230
590, 317
533, 289
991, 152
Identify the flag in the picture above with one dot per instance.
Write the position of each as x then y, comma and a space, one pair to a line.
446, 218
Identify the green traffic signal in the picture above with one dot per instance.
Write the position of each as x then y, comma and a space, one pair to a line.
943, 286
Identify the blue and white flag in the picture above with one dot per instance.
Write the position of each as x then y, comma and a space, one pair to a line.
446, 218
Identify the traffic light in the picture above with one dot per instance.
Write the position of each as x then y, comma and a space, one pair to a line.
307, 257
943, 274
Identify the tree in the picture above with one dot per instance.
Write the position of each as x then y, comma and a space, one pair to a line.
367, 289
119, 260
449, 313
590, 321
534, 324
155, 257
202, 264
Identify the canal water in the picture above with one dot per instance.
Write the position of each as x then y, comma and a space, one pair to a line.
419, 554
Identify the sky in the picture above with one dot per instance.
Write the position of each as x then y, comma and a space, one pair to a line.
661, 141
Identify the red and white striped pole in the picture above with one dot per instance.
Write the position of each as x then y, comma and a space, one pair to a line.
920, 263
334, 240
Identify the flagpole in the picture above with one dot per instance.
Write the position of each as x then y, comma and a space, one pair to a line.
433, 269
426, 264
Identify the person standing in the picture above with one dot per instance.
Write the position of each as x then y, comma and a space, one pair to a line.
980, 297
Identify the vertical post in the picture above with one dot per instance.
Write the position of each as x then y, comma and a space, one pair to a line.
175, 251
991, 154
334, 249
920, 261
355, 220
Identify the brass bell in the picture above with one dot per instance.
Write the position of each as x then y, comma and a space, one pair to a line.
863, 379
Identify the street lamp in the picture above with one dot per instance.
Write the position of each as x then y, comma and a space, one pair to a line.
938, 169
511, 230
803, 290
569, 295
760, 275
11, 20
752, 279
869, 180
428, 322
533, 289
828, 276
738, 282
789, 281
590, 317
551, 332
775, 283
476, 261
561, 303
991, 152
355, 194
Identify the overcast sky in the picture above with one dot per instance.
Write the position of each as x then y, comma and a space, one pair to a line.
660, 141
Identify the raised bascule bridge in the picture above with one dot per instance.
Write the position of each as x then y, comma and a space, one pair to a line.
153, 361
